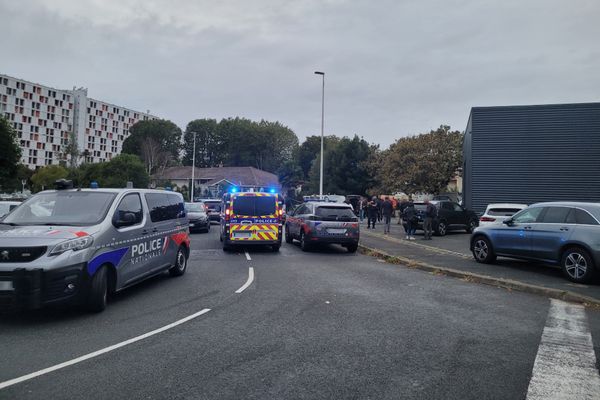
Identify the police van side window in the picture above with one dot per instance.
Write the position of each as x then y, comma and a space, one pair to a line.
131, 203
164, 206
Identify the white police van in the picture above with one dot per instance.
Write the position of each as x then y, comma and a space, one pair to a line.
78, 245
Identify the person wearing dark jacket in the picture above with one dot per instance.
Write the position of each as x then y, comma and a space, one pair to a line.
387, 209
372, 213
430, 214
409, 215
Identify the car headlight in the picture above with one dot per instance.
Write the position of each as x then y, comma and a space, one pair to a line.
72, 244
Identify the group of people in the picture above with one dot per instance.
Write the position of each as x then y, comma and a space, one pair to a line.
379, 209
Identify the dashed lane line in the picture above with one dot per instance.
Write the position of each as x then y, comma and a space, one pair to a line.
565, 365
248, 282
97, 353
247, 256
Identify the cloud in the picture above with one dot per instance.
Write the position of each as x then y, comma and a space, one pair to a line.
393, 68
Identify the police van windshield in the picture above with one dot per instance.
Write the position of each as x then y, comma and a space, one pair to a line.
252, 205
62, 208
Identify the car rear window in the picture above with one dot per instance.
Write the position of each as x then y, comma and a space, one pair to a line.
503, 212
254, 205
213, 205
334, 213
421, 207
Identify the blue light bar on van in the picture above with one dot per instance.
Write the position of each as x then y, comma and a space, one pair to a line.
234, 190
272, 191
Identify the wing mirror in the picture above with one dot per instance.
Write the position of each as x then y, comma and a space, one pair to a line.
508, 222
126, 219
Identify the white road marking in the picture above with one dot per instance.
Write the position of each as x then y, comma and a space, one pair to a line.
248, 282
565, 365
247, 256
77, 360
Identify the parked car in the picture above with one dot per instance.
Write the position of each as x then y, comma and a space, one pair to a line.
213, 209
197, 216
559, 233
7, 206
496, 213
451, 216
319, 222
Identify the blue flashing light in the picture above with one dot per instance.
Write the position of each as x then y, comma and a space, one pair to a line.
234, 190
169, 189
93, 185
272, 191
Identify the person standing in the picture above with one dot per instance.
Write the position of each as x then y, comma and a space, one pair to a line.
410, 216
430, 215
379, 202
372, 213
387, 210
362, 206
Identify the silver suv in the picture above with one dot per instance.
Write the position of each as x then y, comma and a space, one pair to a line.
560, 233
78, 245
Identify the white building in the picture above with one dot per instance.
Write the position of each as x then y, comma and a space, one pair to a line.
44, 117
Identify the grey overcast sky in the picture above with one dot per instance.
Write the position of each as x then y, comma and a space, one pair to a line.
393, 68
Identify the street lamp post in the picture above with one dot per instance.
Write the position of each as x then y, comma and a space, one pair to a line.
322, 128
193, 168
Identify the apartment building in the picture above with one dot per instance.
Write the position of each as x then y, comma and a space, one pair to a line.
44, 118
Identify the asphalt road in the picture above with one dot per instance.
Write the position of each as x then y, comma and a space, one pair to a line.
319, 325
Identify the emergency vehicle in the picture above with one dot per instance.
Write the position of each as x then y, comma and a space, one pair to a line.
251, 218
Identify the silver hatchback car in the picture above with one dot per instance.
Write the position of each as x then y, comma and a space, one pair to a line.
559, 233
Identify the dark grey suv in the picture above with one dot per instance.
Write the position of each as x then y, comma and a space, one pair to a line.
560, 233
320, 222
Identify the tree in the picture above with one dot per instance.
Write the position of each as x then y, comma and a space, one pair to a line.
45, 177
346, 170
71, 153
122, 169
423, 163
290, 174
155, 142
310, 149
10, 153
208, 143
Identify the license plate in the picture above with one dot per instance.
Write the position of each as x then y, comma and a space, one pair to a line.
336, 231
242, 235
6, 285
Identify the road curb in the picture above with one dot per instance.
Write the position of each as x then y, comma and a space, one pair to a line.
509, 284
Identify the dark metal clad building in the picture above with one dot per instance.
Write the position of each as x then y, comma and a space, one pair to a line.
528, 154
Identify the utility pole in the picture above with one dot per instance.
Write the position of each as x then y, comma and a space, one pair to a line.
322, 129
193, 169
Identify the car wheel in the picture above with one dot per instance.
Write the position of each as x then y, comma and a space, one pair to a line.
352, 248
471, 226
208, 228
288, 237
304, 246
482, 250
441, 228
180, 265
577, 265
98, 294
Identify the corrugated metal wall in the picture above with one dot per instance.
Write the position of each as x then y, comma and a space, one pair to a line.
528, 154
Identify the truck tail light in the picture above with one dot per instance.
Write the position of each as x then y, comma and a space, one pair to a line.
487, 219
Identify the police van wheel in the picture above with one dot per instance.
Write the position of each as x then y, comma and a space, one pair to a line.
275, 247
98, 294
180, 265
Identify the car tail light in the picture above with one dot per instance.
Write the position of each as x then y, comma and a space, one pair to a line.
355, 225
487, 219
